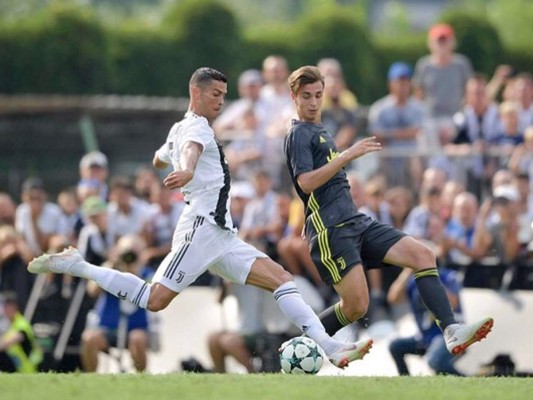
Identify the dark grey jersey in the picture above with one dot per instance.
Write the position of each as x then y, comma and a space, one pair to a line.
308, 147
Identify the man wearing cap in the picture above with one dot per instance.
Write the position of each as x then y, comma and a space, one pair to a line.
441, 76
396, 121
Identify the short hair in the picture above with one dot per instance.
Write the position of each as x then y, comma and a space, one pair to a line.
303, 76
205, 75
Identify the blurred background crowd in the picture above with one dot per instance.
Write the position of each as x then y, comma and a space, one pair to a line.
456, 171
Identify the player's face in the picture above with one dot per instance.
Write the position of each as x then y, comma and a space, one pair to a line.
211, 99
308, 101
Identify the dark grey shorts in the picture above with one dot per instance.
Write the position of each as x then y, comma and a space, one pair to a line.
336, 250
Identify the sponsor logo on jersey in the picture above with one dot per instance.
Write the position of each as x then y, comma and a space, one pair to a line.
322, 140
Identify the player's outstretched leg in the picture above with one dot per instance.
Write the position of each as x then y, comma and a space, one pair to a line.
125, 286
459, 336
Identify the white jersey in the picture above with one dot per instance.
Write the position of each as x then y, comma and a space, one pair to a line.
207, 194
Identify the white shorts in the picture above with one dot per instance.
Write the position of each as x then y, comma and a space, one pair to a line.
202, 246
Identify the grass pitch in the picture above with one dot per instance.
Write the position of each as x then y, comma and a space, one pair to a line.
257, 387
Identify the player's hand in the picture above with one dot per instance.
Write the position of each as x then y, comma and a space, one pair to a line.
362, 147
177, 179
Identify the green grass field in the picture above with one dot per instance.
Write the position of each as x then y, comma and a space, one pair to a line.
257, 387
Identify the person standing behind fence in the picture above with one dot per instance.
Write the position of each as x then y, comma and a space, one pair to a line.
439, 81
396, 120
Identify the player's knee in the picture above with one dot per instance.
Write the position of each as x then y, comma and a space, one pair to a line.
353, 312
423, 257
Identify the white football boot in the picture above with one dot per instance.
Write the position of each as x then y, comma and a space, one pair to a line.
459, 336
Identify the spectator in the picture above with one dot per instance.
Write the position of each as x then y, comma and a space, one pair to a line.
243, 123
356, 188
115, 317
292, 247
434, 177
509, 136
521, 160
261, 224
94, 241
457, 248
94, 167
146, 180
19, 351
338, 120
525, 210
375, 204
71, 218
400, 200
13, 274
429, 340
523, 88
440, 77
418, 221
439, 81
396, 120
450, 191
7, 210
127, 214
281, 110
36, 219
331, 67
477, 123
160, 224
241, 193
496, 234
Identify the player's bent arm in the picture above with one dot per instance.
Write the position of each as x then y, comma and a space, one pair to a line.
312, 180
190, 153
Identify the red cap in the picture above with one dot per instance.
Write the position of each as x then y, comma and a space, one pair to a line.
441, 31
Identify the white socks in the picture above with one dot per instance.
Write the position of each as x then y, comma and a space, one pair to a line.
124, 285
300, 314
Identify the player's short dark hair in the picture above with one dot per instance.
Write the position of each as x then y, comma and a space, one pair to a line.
303, 76
205, 75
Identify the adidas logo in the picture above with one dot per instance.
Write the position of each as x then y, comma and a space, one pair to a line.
322, 140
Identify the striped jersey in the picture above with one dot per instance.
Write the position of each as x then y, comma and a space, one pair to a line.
308, 147
207, 194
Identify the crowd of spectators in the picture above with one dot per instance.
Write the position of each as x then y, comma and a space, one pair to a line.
455, 172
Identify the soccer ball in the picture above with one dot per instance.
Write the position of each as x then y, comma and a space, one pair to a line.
300, 355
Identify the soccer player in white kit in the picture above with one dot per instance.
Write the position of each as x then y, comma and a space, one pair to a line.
204, 238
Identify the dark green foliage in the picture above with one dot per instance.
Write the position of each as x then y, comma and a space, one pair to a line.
208, 34
338, 35
66, 51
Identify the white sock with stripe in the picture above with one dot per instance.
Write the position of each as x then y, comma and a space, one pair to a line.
300, 314
124, 285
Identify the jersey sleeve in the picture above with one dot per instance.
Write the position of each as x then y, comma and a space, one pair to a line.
164, 153
197, 131
300, 155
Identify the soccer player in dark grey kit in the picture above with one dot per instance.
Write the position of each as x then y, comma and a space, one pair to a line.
204, 238
342, 241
